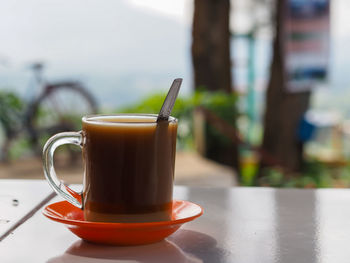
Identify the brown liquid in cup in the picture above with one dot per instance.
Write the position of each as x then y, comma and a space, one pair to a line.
129, 169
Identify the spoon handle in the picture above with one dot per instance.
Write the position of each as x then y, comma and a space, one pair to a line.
169, 101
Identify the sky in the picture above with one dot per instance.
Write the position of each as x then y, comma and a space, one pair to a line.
34, 28
179, 10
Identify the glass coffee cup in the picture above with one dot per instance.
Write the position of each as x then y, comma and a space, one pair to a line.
129, 164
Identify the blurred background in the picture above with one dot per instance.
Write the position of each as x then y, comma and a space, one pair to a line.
263, 101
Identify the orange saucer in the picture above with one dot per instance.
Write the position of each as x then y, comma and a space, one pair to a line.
121, 233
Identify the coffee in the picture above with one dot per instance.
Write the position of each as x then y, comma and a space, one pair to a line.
129, 168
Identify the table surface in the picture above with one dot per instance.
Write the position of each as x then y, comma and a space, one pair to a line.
238, 225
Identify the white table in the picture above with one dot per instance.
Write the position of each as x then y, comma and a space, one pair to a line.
239, 225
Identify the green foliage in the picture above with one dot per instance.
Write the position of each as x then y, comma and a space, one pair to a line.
221, 103
11, 108
153, 103
225, 106
248, 166
314, 175
19, 148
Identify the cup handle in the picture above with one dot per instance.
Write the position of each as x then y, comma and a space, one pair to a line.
60, 188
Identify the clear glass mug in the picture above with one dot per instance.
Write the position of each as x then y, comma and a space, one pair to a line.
129, 164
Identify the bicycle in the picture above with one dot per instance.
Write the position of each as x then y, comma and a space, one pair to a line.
58, 107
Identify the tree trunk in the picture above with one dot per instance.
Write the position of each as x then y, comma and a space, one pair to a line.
284, 110
212, 67
211, 45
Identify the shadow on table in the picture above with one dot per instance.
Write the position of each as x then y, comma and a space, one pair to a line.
199, 245
185, 247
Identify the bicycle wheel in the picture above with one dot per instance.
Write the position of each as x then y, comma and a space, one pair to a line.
59, 108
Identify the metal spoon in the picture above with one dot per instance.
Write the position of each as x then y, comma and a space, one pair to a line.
169, 101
